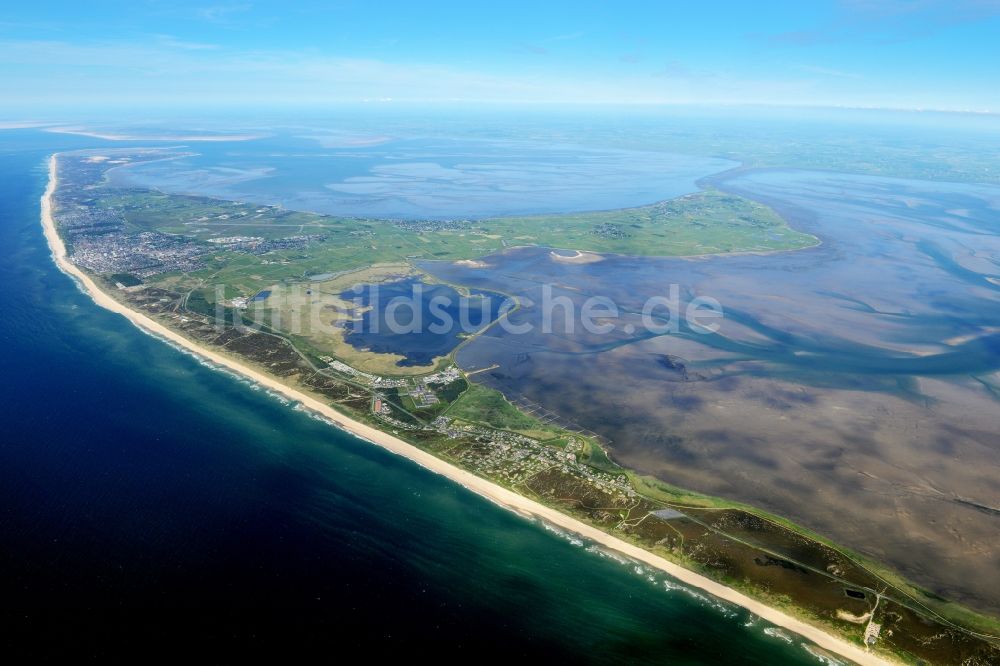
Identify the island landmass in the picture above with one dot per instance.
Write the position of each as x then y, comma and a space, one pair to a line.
214, 276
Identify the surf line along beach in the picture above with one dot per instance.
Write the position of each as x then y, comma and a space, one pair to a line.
497, 494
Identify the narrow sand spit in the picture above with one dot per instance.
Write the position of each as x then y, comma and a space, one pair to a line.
108, 136
497, 494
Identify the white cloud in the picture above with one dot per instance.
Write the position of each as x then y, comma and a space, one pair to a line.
222, 13
827, 71
174, 43
164, 70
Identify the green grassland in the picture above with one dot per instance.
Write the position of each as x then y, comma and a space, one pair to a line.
486, 406
702, 223
707, 222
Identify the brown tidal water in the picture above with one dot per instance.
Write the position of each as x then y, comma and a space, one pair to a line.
851, 387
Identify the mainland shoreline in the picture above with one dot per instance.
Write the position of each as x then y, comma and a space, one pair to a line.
497, 494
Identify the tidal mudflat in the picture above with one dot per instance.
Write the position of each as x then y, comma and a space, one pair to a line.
852, 387
421, 178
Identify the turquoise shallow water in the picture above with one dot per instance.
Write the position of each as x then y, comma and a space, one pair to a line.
149, 503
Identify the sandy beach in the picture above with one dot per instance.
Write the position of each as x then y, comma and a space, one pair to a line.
487, 489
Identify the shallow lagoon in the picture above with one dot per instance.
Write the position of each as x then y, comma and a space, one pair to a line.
426, 178
418, 321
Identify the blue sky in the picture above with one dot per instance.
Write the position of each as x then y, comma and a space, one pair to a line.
868, 53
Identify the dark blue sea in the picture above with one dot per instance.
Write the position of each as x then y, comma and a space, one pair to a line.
150, 505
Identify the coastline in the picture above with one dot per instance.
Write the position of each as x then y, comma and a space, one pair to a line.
486, 489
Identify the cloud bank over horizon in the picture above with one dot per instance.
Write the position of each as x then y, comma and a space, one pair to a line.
921, 54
